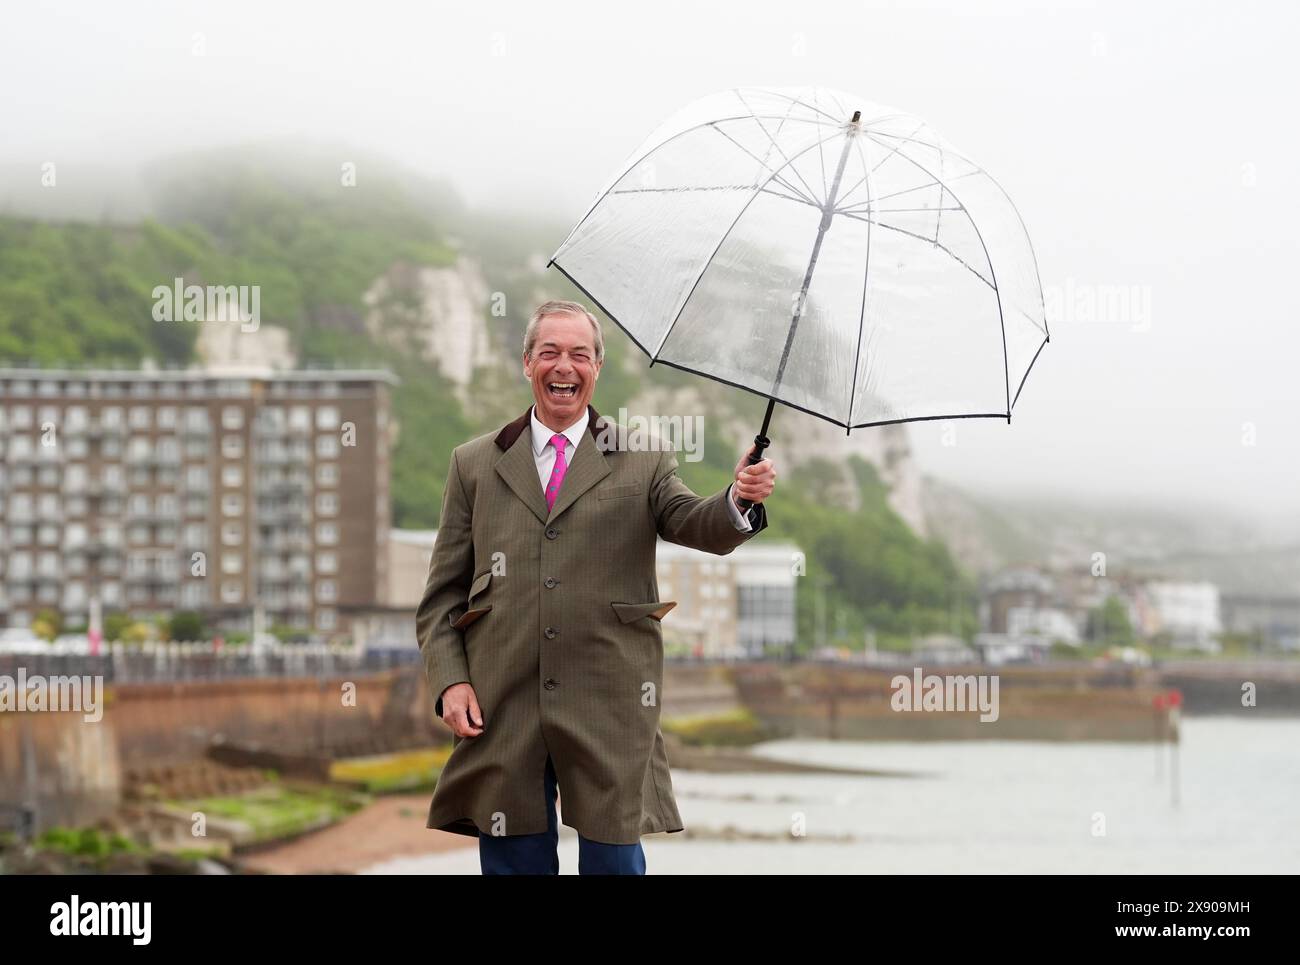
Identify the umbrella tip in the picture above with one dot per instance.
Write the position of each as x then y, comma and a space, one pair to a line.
856, 116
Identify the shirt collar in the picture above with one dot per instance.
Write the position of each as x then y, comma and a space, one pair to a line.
542, 435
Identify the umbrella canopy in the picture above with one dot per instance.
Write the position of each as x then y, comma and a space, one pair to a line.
821, 251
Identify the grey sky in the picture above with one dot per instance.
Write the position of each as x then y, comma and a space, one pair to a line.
1146, 146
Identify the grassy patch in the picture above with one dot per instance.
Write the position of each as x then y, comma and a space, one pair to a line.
386, 773
736, 728
273, 812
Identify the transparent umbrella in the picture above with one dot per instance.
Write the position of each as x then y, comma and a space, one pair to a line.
821, 251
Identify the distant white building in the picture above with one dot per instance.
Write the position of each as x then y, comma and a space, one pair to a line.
730, 605
389, 624
1187, 611
1045, 623
999, 648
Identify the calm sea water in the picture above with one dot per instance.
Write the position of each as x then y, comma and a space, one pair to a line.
989, 807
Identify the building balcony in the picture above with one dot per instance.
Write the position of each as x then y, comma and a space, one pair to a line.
153, 578
97, 430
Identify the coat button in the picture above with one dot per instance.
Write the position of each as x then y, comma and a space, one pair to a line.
552, 533
550, 582
551, 633
551, 683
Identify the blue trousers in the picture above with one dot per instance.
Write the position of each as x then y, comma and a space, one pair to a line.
537, 854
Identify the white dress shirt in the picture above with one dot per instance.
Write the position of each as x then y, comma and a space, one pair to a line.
544, 456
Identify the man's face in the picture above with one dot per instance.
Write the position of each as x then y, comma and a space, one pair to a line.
564, 353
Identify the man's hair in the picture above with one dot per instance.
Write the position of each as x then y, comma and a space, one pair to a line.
562, 308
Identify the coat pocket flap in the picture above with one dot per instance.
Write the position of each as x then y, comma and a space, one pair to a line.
469, 616
480, 584
627, 612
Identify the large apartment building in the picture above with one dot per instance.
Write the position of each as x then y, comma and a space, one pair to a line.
223, 492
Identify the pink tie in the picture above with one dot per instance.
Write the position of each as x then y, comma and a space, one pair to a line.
557, 474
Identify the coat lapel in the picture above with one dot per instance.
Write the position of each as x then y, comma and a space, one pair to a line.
519, 470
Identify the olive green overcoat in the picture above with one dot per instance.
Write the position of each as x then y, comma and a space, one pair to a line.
554, 618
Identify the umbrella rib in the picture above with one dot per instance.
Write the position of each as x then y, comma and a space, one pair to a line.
858, 205
721, 187
799, 200
1002, 323
766, 167
929, 241
862, 311
821, 156
938, 221
812, 194
1026, 375
721, 241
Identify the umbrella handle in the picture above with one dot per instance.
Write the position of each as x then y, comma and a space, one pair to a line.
761, 442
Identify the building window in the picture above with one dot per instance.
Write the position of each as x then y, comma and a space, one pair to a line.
232, 504
326, 619
230, 591
326, 591
167, 417
327, 447
140, 417
232, 447
327, 563
327, 417
327, 504
231, 563
232, 417
232, 476
327, 534
327, 474
232, 534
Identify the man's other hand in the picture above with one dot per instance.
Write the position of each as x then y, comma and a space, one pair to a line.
460, 710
